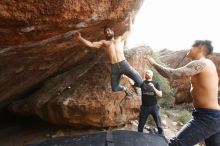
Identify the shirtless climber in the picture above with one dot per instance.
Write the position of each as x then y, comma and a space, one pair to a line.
113, 47
205, 124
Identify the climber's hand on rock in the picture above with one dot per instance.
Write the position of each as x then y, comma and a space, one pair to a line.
77, 34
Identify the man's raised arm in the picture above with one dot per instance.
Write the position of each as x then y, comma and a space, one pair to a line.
88, 43
192, 68
127, 33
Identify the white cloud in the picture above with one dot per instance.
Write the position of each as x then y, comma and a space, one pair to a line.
175, 24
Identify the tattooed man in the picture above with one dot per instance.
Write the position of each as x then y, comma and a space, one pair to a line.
205, 124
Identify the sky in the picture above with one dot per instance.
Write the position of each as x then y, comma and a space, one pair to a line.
176, 24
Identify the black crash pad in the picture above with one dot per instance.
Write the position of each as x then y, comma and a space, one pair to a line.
111, 138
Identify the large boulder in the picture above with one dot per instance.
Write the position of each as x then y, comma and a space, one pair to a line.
37, 43
83, 96
175, 59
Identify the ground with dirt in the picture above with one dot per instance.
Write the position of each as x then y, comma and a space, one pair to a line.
21, 131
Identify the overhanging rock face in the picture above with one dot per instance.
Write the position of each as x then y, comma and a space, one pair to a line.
115, 138
37, 43
83, 96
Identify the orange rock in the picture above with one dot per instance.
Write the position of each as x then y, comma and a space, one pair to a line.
85, 97
37, 43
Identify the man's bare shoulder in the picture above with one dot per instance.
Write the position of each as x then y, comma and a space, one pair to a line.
201, 63
192, 68
105, 43
210, 63
197, 65
119, 38
110, 42
197, 62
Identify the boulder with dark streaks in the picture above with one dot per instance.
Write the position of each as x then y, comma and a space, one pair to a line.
83, 96
37, 43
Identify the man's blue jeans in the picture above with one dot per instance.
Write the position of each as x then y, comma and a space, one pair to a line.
205, 125
120, 68
153, 110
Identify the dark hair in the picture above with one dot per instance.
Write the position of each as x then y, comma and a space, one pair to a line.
206, 43
106, 27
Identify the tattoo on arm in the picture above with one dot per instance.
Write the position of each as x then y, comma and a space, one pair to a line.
162, 70
190, 69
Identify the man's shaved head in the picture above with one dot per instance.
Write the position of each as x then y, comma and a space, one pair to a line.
148, 74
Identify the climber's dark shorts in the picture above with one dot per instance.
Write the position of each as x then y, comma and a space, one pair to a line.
204, 126
125, 68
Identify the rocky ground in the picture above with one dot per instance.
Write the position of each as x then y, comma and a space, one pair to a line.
21, 131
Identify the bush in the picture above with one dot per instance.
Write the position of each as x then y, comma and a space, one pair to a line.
150, 121
183, 117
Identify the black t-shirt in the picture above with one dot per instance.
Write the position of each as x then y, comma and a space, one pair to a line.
148, 96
